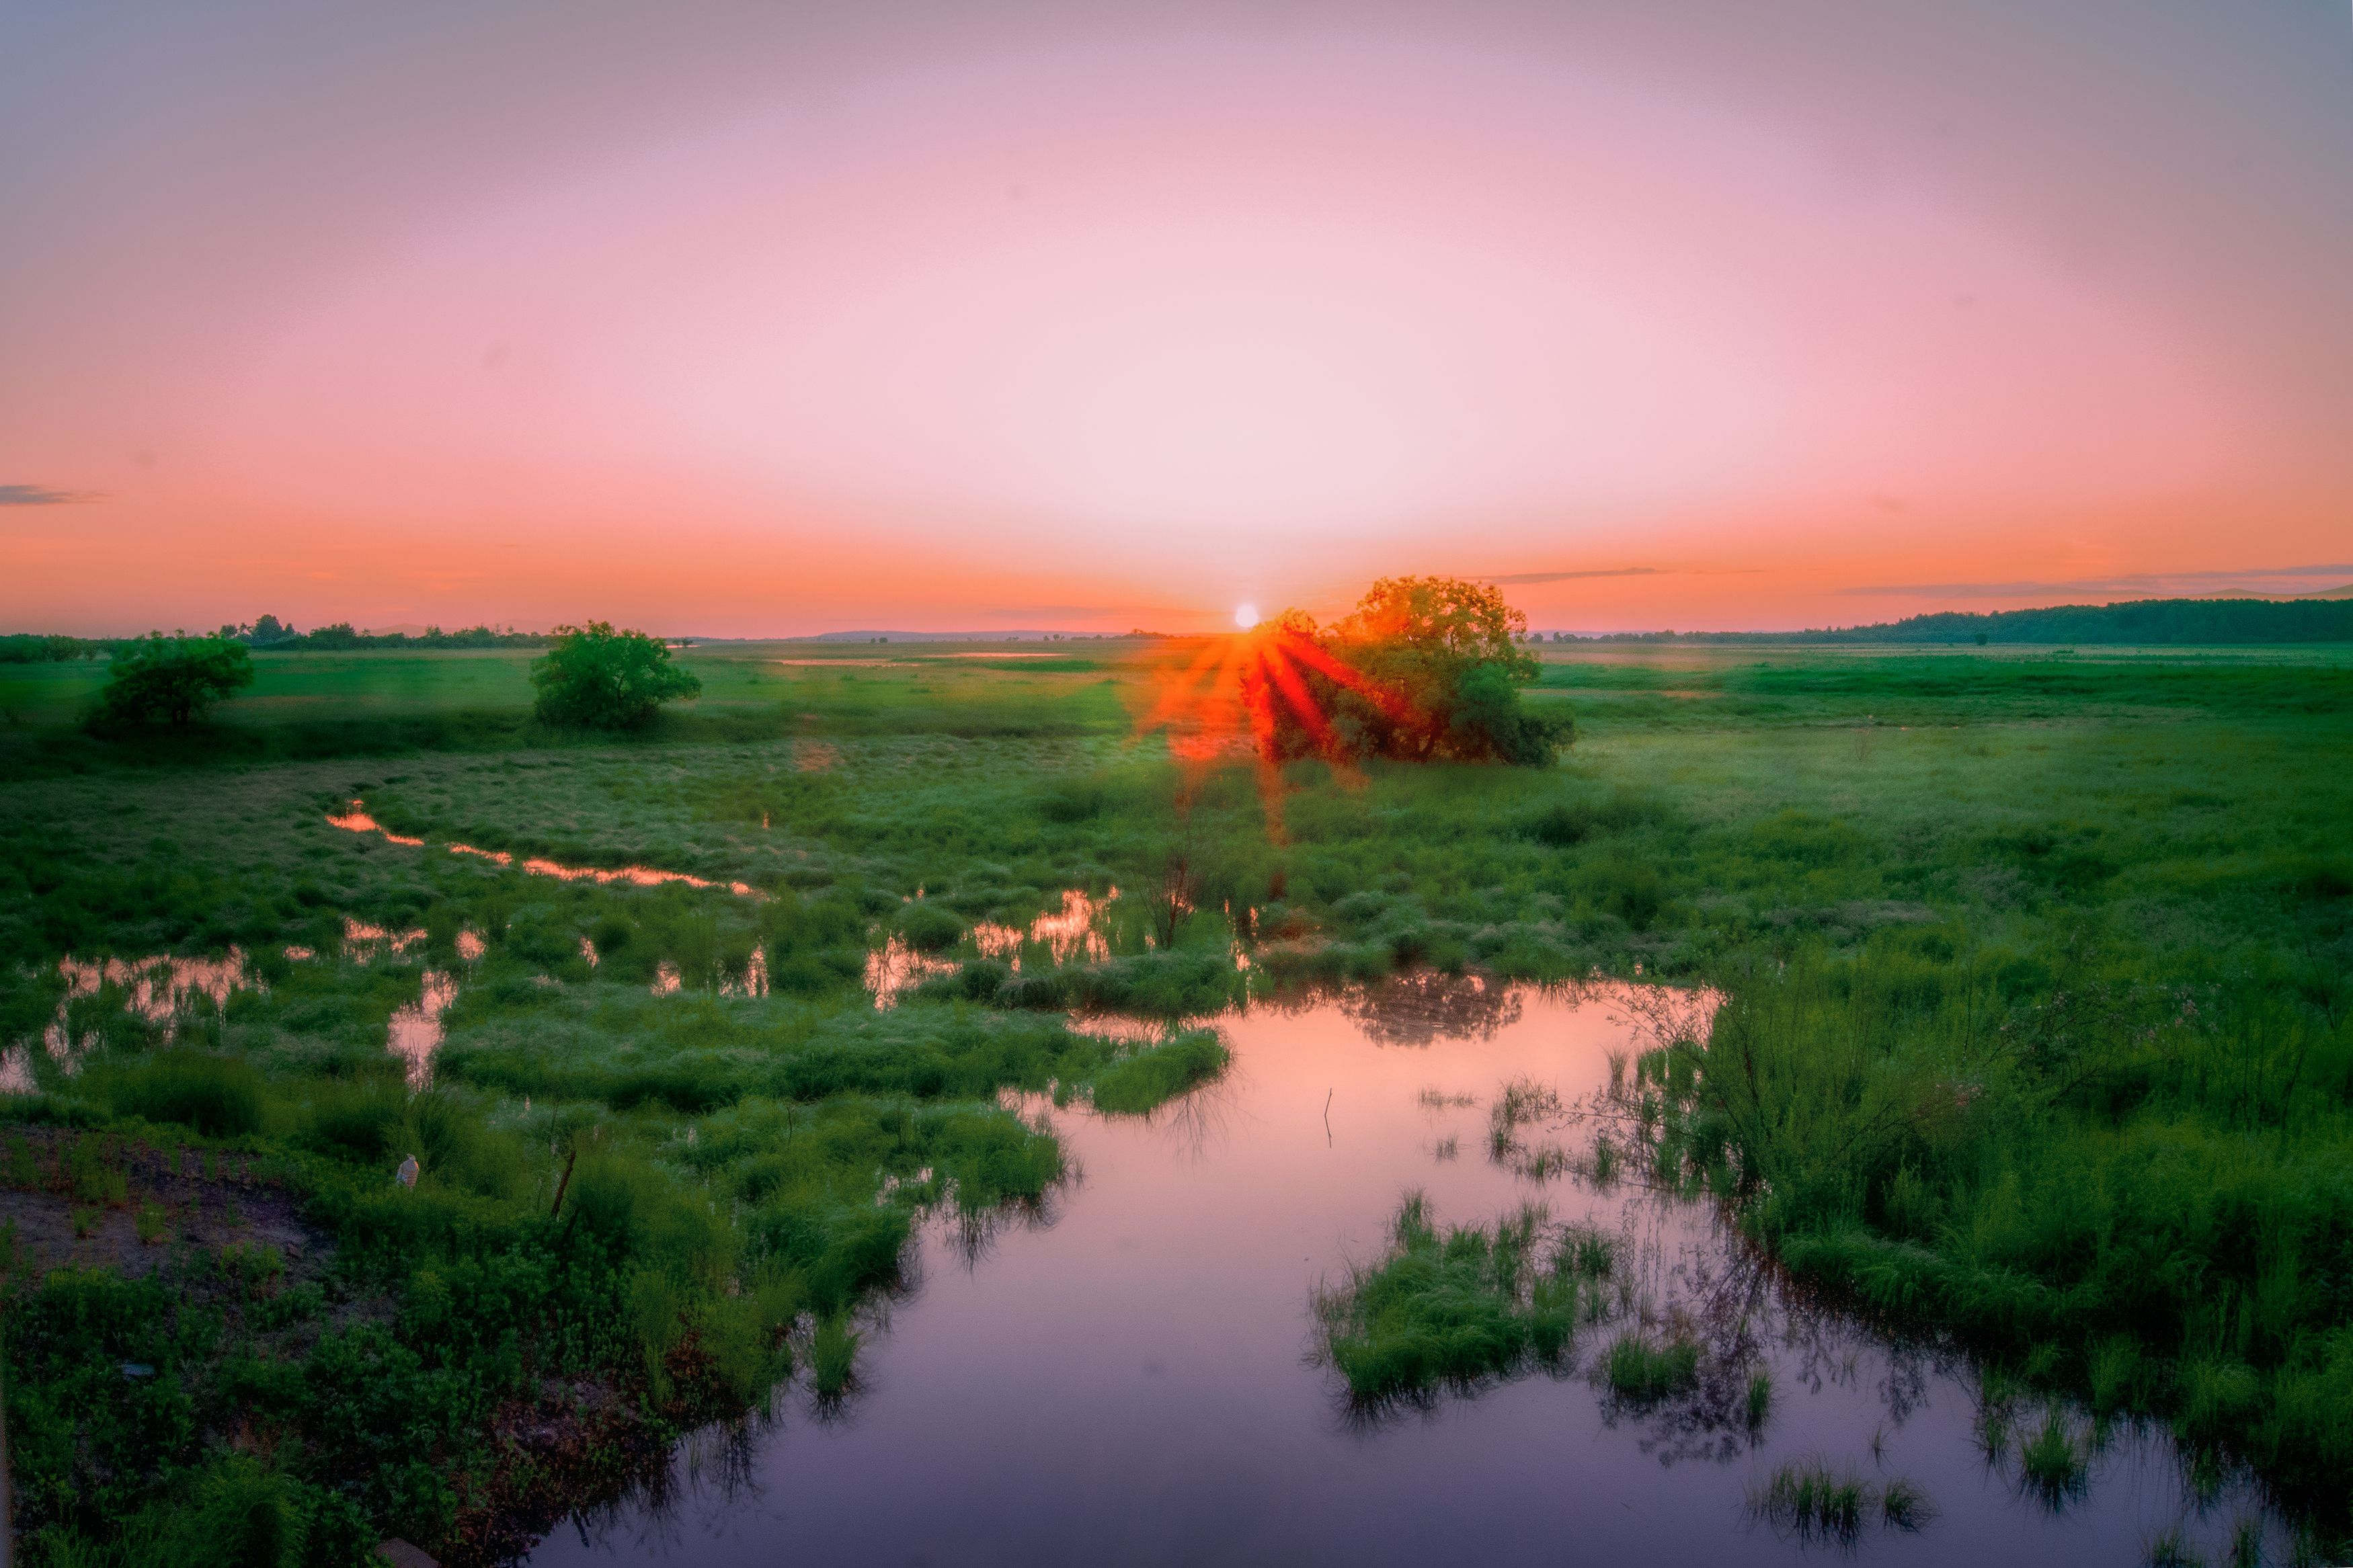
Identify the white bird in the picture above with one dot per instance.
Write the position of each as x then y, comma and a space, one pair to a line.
408, 1171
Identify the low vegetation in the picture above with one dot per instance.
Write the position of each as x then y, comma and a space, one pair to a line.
1462, 1305
2038, 1037
1811, 1501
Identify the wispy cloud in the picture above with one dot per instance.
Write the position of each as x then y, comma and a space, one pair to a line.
40, 495
2274, 579
1566, 576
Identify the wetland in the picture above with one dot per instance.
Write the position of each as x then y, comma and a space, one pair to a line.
1898, 1103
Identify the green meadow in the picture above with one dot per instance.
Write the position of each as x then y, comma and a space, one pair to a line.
2037, 1040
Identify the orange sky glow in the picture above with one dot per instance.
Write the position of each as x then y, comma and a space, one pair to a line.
1096, 326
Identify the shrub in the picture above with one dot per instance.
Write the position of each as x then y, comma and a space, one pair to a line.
169, 680
600, 678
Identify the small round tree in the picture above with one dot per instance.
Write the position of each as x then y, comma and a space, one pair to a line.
1423, 669
169, 680
600, 678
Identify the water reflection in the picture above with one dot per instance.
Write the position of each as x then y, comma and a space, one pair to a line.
754, 981
415, 1032
1126, 1375
357, 820
1071, 932
364, 943
896, 968
16, 1072
157, 989
1416, 1008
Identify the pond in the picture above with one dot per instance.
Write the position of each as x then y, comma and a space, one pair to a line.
1131, 1378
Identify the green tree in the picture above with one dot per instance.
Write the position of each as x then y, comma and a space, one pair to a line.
1438, 666
171, 681
602, 680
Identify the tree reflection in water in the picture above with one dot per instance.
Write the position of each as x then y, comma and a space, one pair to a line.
1416, 1008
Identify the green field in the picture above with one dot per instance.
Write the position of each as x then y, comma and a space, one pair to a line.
2040, 1032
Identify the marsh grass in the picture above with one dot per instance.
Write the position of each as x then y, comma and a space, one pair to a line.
833, 1357
1811, 1501
1642, 1370
1757, 1403
1457, 1307
1903, 1506
2052, 1464
216, 1095
2035, 994
2005, 1142
1144, 1080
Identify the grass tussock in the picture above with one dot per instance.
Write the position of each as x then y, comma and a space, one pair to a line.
1811, 1501
1144, 1080
1642, 1371
1460, 1305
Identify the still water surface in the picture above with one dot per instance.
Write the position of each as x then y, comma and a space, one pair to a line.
1131, 1379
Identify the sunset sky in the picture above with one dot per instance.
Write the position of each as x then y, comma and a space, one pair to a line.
750, 319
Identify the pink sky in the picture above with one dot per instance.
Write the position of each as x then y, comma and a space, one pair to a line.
1103, 327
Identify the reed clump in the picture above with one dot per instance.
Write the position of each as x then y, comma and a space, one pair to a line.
1809, 1500
1458, 1306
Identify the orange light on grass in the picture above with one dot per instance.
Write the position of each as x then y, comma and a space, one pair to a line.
1231, 696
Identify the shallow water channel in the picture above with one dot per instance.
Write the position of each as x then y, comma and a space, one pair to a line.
1131, 1378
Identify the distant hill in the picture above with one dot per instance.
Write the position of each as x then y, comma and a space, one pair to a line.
2326, 618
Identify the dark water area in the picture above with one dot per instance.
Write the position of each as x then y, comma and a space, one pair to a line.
1131, 1378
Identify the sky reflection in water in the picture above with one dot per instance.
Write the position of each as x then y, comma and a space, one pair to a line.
1130, 1379
357, 820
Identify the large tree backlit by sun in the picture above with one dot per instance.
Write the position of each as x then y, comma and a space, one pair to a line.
1424, 669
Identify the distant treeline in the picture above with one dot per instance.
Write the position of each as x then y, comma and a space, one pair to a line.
268, 635
31, 648
341, 636
2148, 622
